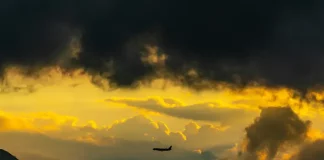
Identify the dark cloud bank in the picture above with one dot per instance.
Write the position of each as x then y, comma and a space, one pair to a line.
279, 41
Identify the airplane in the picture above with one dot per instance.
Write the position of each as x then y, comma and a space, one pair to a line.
163, 149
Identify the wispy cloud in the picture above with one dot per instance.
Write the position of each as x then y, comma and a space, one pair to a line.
200, 111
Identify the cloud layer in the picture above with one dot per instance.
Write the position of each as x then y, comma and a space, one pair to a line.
72, 150
133, 138
137, 128
204, 111
43, 136
232, 41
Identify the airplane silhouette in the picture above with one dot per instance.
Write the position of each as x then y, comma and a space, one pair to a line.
163, 149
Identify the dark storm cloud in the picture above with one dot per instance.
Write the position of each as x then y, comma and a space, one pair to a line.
280, 41
275, 127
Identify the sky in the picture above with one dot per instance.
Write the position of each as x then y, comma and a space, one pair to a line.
97, 80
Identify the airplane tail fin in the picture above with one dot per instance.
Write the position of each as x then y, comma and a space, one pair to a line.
170, 147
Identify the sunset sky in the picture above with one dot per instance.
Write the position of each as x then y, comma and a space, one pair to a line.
68, 117
223, 80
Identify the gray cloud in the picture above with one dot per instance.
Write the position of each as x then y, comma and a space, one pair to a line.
72, 150
275, 127
313, 151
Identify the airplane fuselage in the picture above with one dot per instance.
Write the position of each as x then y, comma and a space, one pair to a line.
162, 149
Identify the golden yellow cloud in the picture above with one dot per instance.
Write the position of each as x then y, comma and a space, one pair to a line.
36, 122
137, 128
37, 104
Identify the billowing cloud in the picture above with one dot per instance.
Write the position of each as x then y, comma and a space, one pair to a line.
193, 136
61, 138
219, 39
203, 111
137, 128
143, 128
276, 126
313, 151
